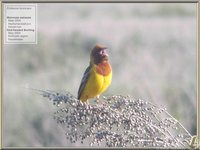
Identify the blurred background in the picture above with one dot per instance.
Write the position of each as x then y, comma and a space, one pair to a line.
152, 48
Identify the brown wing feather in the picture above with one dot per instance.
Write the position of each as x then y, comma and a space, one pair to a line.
84, 81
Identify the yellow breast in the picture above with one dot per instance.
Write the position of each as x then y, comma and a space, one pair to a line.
97, 83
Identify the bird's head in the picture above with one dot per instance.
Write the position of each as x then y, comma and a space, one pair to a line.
99, 54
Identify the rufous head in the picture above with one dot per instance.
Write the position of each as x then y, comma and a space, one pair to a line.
99, 54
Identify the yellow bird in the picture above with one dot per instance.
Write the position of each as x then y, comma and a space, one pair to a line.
98, 75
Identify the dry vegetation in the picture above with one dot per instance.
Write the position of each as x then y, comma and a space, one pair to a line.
117, 121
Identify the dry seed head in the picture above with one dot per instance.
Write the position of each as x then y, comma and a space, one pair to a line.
120, 121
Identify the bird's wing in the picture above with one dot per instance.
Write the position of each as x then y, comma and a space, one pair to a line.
84, 81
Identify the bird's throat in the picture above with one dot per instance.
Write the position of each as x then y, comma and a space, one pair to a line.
103, 68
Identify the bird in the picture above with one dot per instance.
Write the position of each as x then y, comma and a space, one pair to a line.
98, 75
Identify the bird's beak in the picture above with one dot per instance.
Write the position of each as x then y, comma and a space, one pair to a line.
104, 52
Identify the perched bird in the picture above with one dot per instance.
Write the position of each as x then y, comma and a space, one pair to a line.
98, 75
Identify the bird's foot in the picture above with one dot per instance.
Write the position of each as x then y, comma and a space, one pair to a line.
87, 103
97, 99
101, 103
